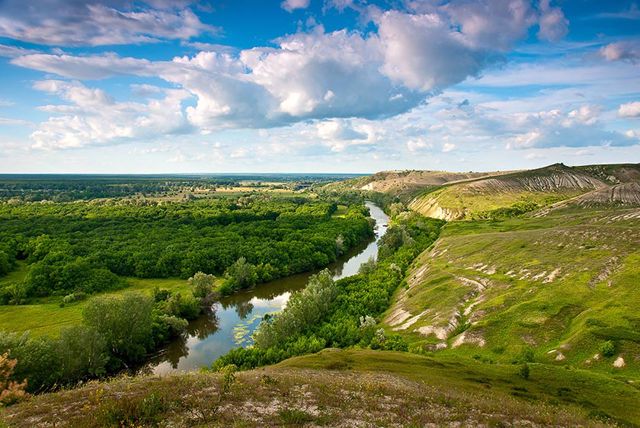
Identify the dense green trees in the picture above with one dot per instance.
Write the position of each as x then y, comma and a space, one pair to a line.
117, 332
124, 322
341, 314
304, 308
85, 246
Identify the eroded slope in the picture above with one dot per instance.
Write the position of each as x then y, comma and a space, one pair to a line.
557, 287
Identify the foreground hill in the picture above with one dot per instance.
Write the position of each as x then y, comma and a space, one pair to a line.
481, 197
344, 389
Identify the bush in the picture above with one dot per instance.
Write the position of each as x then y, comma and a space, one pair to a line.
83, 353
133, 412
10, 390
239, 275
124, 322
608, 349
74, 297
202, 284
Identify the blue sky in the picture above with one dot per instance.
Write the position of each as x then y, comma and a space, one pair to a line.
120, 86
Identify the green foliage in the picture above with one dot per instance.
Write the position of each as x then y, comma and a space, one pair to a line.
202, 284
124, 322
66, 250
83, 353
240, 275
608, 349
304, 308
294, 417
228, 377
517, 209
145, 411
330, 314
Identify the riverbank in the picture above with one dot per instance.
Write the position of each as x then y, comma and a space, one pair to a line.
235, 318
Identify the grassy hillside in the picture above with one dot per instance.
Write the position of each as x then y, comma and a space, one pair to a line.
538, 188
406, 184
552, 289
344, 388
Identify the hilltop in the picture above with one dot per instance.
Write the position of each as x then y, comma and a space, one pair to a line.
596, 184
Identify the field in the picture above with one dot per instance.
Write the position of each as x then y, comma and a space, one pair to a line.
47, 316
345, 388
551, 289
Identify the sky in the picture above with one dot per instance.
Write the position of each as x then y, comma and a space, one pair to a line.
181, 86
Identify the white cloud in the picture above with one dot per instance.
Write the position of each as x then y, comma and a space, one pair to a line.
85, 67
629, 109
291, 5
85, 23
447, 147
555, 128
338, 81
622, 51
553, 24
93, 117
418, 144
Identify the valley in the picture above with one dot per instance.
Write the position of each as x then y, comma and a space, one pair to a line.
523, 287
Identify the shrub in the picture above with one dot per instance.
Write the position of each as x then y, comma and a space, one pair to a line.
608, 349
124, 322
10, 390
239, 275
202, 284
133, 411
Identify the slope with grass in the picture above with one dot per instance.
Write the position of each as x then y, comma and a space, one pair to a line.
344, 388
538, 188
552, 289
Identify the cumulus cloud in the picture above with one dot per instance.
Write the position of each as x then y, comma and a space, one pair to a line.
556, 128
91, 116
95, 23
631, 109
553, 24
291, 5
622, 51
319, 76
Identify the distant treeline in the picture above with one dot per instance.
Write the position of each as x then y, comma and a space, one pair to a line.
88, 246
64, 188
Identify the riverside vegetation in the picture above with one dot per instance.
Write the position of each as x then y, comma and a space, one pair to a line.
518, 310
58, 255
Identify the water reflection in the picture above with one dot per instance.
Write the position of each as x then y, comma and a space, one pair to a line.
235, 318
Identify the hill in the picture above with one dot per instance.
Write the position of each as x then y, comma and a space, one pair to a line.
534, 188
344, 389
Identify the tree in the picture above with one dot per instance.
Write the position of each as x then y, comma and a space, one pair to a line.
124, 322
202, 284
83, 353
240, 275
304, 308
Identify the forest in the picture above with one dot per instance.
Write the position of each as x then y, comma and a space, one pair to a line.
87, 247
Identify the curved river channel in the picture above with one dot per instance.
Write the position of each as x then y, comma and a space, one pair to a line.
235, 318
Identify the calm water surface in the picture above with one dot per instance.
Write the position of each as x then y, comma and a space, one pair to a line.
235, 318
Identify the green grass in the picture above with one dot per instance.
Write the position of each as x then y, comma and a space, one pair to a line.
47, 317
546, 383
346, 388
592, 297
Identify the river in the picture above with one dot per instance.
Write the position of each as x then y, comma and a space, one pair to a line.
235, 318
